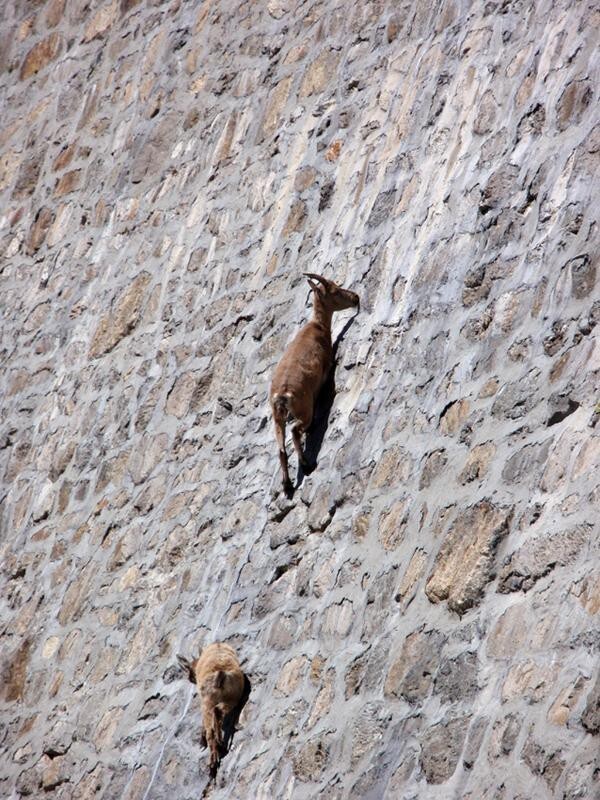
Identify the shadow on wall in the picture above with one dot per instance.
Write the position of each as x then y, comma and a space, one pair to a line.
230, 721
316, 433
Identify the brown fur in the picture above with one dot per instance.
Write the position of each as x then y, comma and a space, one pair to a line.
304, 368
220, 681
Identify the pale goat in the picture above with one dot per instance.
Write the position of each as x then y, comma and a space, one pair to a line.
221, 686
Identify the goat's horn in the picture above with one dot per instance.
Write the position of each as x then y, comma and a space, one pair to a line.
315, 277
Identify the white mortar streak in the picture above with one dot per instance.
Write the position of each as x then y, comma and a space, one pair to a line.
166, 741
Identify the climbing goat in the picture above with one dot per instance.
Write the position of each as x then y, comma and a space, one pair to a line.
221, 686
304, 368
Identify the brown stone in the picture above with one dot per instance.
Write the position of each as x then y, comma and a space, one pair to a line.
77, 595
573, 102
291, 675
122, 319
112, 471
367, 732
54, 12
304, 178
334, 150
392, 29
275, 105
14, 672
282, 632
41, 55
187, 392
143, 459
105, 732
441, 747
67, 183
465, 562
296, 218
561, 709
410, 675
486, 114
433, 465
37, 233
504, 735
320, 73
392, 525
548, 764
587, 592
557, 462
509, 634
529, 680
28, 176
453, 416
142, 644
489, 388
477, 464
393, 467
583, 276
415, 569
587, 458
311, 759
54, 772
323, 701
101, 22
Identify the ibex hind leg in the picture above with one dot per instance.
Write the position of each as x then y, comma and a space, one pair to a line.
283, 459
298, 428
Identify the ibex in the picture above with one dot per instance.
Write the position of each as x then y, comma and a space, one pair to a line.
304, 368
221, 686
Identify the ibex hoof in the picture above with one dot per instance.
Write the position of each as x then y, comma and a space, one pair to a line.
288, 489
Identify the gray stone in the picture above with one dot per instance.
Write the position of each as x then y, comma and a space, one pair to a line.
441, 747
456, 678
539, 556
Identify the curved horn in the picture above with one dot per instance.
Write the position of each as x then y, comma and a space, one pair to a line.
315, 277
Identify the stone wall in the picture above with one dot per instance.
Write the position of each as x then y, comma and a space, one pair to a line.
421, 619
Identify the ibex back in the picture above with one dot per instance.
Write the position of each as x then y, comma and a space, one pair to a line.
304, 368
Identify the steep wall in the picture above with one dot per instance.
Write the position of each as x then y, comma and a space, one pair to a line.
421, 619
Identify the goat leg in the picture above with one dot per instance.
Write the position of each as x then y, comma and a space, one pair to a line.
283, 459
298, 429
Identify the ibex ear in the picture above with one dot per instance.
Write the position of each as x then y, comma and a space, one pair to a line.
188, 667
315, 279
316, 287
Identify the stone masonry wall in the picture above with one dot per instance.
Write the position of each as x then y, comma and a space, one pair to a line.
421, 619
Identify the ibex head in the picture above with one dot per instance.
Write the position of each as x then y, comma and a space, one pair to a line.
333, 296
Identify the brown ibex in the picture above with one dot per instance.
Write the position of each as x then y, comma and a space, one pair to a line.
304, 368
221, 686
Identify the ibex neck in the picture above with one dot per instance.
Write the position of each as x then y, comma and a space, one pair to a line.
322, 315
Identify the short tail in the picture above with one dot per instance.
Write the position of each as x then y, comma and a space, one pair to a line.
220, 679
281, 405
215, 681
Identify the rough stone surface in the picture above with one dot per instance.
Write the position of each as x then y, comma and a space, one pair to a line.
465, 562
420, 620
